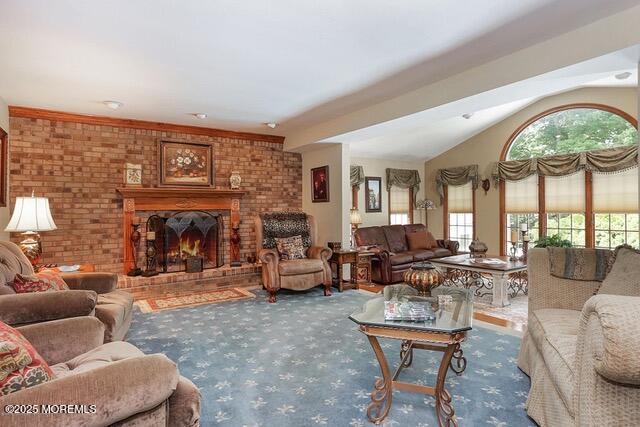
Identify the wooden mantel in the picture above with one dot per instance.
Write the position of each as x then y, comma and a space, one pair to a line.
177, 199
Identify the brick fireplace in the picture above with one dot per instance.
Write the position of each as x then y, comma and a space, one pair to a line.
181, 200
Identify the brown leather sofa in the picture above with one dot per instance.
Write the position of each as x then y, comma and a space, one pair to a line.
297, 274
393, 256
127, 387
90, 294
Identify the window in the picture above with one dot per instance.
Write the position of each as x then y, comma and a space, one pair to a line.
521, 207
460, 214
615, 207
399, 206
589, 209
565, 204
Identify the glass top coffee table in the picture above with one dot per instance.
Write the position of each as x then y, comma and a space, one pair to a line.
453, 310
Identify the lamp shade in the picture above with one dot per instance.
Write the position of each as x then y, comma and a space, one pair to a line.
354, 217
31, 214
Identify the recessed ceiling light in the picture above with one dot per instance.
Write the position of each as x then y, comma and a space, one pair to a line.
114, 105
467, 115
623, 76
271, 125
201, 116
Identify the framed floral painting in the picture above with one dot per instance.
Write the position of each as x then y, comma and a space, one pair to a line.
185, 163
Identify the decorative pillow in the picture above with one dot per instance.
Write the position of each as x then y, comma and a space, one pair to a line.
20, 364
579, 263
431, 241
290, 248
624, 277
284, 224
418, 240
45, 281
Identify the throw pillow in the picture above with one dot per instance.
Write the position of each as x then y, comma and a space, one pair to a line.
40, 282
431, 241
418, 240
290, 247
624, 277
20, 364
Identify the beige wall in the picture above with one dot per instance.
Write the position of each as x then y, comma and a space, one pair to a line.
4, 212
332, 217
376, 168
484, 149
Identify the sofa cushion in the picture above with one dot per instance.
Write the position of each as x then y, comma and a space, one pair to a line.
290, 247
559, 353
20, 364
96, 358
552, 321
39, 282
370, 236
401, 258
441, 252
13, 261
396, 238
624, 277
421, 255
300, 266
112, 309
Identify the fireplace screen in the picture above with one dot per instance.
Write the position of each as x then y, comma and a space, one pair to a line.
187, 234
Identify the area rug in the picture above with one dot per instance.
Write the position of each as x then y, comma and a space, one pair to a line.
302, 362
196, 298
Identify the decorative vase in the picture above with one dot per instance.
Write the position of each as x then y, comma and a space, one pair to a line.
423, 276
235, 180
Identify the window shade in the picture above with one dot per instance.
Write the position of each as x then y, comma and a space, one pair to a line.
398, 200
616, 192
565, 194
521, 196
460, 198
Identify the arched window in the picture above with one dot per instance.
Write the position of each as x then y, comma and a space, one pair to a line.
575, 207
572, 130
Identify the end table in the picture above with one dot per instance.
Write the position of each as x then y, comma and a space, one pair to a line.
360, 262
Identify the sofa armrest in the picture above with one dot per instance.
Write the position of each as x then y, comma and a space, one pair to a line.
101, 283
270, 275
118, 390
547, 291
20, 309
319, 252
61, 340
608, 334
451, 245
184, 405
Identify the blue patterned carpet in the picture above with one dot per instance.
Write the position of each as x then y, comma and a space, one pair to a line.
302, 362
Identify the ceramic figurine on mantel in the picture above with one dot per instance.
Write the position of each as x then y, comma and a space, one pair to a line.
235, 180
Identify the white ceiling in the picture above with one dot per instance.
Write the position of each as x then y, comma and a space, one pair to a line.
245, 63
424, 135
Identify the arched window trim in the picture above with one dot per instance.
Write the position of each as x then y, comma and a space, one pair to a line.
541, 208
628, 117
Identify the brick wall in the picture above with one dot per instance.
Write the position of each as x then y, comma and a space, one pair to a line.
78, 166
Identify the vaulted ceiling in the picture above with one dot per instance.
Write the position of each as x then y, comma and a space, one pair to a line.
245, 63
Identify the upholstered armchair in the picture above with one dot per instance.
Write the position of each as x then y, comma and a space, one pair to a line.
90, 294
298, 274
126, 387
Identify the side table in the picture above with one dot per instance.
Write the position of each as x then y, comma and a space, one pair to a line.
339, 258
84, 268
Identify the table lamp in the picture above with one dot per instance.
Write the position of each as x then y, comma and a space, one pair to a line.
355, 219
30, 216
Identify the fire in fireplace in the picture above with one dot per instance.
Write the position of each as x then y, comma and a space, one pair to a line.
183, 235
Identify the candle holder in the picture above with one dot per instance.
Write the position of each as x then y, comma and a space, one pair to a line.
135, 242
513, 251
151, 254
525, 246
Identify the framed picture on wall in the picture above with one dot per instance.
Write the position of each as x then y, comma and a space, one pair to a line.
320, 184
185, 164
373, 194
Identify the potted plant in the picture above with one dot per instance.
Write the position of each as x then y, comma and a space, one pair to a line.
555, 240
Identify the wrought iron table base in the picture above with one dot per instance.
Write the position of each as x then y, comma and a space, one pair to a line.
485, 284
382, 394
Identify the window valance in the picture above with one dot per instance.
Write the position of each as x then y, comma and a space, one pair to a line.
357, 175
404, 178
607, 160
459, 175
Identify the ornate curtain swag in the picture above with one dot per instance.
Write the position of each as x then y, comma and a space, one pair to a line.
459, 175
356, 175
404, 178
607, 160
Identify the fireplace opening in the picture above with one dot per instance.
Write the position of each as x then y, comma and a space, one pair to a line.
184, 235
